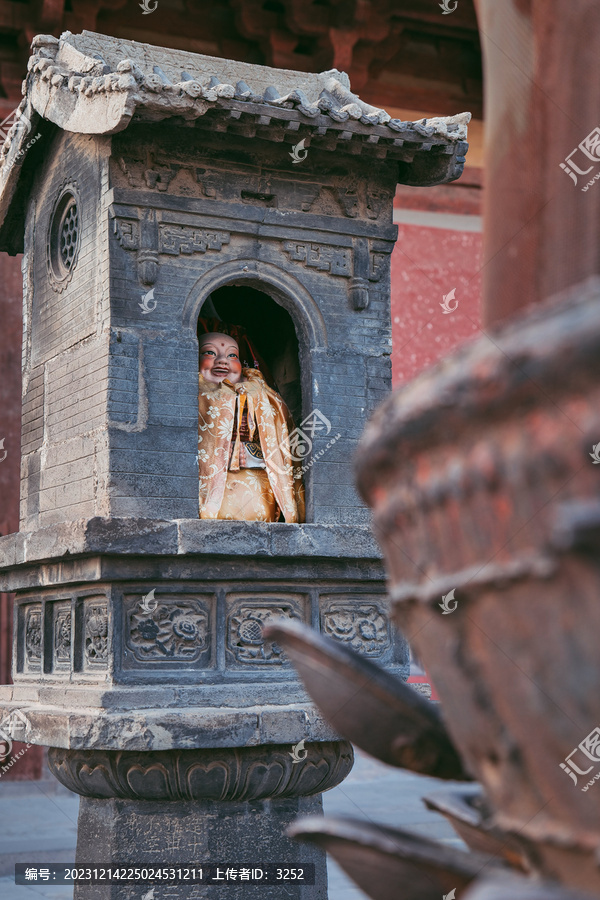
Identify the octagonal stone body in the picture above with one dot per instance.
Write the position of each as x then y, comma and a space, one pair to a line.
148, 635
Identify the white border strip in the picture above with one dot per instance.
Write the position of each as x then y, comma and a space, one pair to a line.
427, 219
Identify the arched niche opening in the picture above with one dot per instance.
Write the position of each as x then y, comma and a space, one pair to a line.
271, 332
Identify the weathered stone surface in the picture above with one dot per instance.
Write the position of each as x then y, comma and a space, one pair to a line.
164, 728
103, 622
93, 569
93, 84
147, 537
145, 833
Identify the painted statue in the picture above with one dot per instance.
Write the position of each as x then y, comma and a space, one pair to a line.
245, 464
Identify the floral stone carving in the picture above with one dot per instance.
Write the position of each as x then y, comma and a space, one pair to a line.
176, 630
245, 633
362, 627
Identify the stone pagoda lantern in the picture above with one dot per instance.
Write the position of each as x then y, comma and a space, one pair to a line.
146, 188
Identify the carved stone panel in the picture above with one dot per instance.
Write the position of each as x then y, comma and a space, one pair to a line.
176, 239
348, 199
61, 637
359, 624
335, 260
170, 630
377, 200
95, 634
379, 264
246, 616
127, 232
33, 637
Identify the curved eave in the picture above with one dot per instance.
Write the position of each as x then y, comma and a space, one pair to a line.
20, 157
108, 112
427, 158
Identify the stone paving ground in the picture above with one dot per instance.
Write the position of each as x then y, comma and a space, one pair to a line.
38, 822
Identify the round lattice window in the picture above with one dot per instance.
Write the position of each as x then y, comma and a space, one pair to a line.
63, 239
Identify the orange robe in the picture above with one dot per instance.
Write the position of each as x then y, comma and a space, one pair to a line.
228, 489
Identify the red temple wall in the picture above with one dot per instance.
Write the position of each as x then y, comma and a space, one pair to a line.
439, 249
428, 263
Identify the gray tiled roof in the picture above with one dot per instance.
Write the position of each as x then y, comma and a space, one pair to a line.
93, 64
165, 82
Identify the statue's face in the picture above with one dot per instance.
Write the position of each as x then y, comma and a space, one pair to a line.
220, 358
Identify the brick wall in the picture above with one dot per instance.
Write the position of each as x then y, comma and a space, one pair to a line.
66, 368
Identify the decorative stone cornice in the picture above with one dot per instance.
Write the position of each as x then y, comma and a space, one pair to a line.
166, 81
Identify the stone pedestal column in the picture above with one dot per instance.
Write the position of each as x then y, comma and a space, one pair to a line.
140, 658
193, 807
